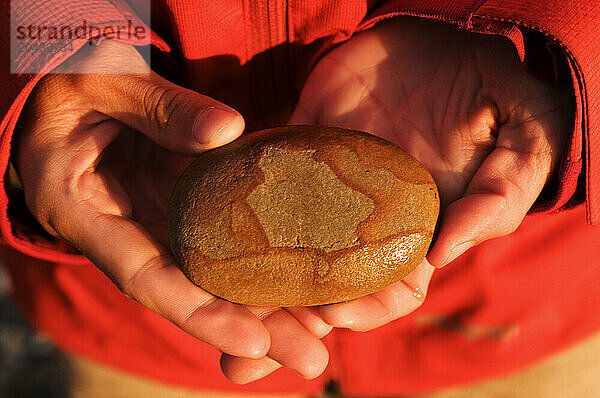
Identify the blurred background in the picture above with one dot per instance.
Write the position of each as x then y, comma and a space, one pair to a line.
30, 365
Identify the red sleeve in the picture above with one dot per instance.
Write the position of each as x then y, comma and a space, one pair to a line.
574, 27
17, 87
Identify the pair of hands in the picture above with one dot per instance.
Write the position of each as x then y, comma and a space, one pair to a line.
98, 155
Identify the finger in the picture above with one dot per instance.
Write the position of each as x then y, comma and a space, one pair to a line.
377, 309
146, 272
246, 370
292, 346
310, 318
176, 118
500, 193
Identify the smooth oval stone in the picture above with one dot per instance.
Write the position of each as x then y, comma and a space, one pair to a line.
302, 215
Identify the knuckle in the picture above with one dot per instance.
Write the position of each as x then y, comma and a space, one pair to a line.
130, 286
149, 102
137, 286
163, 106
198, 311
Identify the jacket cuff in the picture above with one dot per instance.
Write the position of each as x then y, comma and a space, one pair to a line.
18, 228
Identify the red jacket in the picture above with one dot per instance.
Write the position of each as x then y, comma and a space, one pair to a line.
501, 306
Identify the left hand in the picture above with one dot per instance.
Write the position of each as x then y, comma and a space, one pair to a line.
461, 103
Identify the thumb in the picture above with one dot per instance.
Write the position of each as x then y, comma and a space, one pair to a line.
174, 117
500, 193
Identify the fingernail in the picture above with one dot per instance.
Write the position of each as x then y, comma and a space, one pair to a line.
211, 123
457, 251
323, 330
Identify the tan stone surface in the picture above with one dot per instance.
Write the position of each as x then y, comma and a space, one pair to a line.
302, 216
303, 203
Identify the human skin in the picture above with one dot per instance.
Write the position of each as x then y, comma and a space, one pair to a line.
491, 134
98, 154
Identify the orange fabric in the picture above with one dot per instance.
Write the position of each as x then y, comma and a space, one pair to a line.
503, 305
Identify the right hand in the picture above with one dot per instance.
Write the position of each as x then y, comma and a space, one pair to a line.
98, 155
